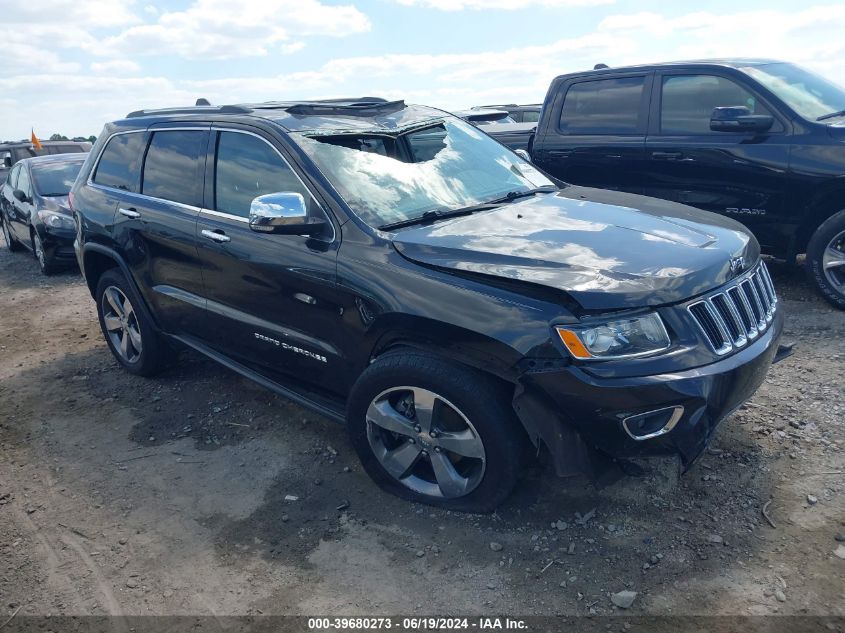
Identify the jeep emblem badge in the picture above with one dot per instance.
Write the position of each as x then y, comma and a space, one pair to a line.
736, 265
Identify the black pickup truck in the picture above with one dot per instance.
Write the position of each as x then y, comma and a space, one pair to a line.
761, 141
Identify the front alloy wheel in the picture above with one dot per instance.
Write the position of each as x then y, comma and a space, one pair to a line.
121, 324
434, 431
425, 442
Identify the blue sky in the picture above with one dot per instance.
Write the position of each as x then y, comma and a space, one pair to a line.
71, 65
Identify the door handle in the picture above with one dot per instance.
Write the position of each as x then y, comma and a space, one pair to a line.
667, 155
129, 213
216, 236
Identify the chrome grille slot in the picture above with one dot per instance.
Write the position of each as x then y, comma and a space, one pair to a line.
736, 314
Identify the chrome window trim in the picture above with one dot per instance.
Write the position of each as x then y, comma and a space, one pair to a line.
225, 216
202, 210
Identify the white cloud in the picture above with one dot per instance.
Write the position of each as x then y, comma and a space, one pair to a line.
115, 66
90, 13
511, 5
217, 29
811, 36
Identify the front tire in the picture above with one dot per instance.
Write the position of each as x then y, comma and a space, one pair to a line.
11, 242
435, 432
130, 336
826, 259
45, 262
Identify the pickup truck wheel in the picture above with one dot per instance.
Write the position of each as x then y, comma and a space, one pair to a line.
435, 432
130, 337
826, 259
11, 242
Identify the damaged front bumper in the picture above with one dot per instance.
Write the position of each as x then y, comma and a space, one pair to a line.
579, 416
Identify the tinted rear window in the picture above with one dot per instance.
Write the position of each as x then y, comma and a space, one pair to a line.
172, 168
606, 106
121, 161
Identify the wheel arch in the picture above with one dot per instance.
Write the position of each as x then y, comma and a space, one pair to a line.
824, 204
96, 260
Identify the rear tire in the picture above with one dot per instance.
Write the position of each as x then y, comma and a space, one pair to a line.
130, 336
826, 259
11, 242
432, 431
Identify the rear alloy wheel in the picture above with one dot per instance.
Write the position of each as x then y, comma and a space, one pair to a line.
433, 431
11, 242
826, 259
129, 334
121, 324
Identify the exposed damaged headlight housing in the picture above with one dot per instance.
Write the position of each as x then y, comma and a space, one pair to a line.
56, 220
621, 338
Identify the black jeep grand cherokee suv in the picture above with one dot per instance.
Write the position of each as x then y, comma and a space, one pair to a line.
392, 266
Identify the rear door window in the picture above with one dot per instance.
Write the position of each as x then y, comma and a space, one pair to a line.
120, 162
174, 164
687, 102
605, 106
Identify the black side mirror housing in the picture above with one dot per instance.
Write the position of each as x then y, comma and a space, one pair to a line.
7, 162
20, 196
739, 119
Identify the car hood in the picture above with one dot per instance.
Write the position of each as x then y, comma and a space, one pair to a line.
607, 250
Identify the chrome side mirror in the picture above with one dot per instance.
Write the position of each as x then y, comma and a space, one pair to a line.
284, 213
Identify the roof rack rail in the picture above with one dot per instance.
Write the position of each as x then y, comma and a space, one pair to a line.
198, 109
355, 107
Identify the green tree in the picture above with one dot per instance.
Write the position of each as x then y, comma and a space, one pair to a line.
58, 137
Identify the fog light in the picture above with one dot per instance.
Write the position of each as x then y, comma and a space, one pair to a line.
645, 426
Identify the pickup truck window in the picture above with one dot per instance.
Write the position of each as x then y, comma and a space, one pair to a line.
605, 106
687, 102
808, 94
442, 167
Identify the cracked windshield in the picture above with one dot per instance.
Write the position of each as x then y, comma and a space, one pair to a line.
442, 167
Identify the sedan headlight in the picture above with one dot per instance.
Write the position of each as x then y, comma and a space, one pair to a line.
56, 220
620, 338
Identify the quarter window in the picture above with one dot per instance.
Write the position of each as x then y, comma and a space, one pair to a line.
24, 183
13, 176
687, 102
120, 162
248, 167
172, 169
606, 106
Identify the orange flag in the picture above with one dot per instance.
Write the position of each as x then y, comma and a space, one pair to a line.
36, 143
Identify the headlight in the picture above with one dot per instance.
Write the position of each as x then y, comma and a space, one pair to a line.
56, 220
620, 338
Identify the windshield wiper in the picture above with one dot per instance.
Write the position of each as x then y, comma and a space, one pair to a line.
431, 216
832, 115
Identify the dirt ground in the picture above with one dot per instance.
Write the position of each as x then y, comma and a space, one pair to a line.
133, 496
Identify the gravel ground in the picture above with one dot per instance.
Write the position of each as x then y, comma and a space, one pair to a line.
124, 495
